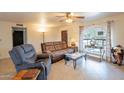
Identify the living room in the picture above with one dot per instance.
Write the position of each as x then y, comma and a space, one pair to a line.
42, 27
64, 46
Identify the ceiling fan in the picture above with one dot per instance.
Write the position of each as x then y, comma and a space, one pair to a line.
69, 17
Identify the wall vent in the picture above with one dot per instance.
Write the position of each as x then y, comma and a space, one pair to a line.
19, 24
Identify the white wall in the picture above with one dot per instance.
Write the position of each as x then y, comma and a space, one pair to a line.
73, 32
6, 38
52, 34
34, 37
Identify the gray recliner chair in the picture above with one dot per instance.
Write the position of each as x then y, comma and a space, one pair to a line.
25, 57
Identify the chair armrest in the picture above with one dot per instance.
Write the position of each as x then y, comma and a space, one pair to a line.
45, 60
39, 65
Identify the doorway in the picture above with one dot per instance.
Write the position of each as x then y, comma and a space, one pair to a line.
19, 36
64, 36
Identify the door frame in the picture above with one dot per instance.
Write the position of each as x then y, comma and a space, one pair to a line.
67, 35
24, 29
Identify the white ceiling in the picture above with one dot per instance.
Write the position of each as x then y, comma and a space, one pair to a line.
48, 18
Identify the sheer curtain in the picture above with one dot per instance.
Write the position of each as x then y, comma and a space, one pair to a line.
81, 28
108, 41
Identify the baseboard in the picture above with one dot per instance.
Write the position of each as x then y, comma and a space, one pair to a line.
97, 58
4, 58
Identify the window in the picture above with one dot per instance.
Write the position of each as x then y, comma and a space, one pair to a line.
96, 33
93, 35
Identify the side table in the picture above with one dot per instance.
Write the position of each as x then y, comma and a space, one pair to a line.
29, 74
74, 47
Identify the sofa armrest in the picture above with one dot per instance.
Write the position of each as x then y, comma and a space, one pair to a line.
43, 56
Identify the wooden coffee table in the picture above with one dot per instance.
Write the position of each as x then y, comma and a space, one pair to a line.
32, 72
74, 57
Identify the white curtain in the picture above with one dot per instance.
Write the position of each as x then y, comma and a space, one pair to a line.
108, 41
81, 28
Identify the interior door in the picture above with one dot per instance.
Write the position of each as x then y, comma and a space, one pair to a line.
18, 38
64, 36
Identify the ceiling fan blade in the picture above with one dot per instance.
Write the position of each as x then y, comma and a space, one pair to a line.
79, 17
60, 16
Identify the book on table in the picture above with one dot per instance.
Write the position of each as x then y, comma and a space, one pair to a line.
31, 73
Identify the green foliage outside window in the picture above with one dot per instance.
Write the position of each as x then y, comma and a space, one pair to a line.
92, 33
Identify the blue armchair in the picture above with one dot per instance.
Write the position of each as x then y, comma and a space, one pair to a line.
25, 57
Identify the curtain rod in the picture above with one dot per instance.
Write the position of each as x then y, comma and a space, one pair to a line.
98, 23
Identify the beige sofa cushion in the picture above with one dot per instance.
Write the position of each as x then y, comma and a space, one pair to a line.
58, 47
53, 46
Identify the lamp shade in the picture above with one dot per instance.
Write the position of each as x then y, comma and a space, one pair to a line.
42, 29
73, 42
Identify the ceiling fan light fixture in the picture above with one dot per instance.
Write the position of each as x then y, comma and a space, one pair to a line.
72, 14
69, 20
